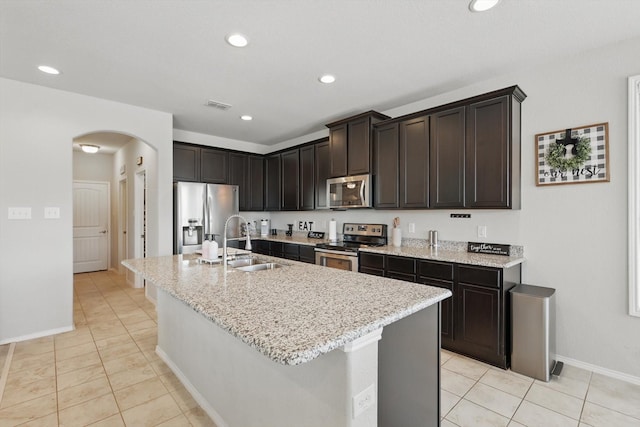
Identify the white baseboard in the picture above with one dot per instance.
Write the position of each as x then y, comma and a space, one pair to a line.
38, 335
206, 406
599, 370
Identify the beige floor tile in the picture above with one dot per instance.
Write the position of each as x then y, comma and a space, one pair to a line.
615, 394
50, 420
112, 421
597, 416
159, 366
559, 402
515, 424
130, 361
184, 399
576, 388
447, 423
533, 415
78, 337
28, 411
80, 393
152, 413
507, 381
14, 394
198, 418
33, 348
26, 376
145, 333
179, 421
147, 344
445, 356
468, 414
113, 341
130, 377
467, 367
118, 351
496, 400
455, 383
31, 362
140, 393
146, 324
170, 381
447, 402
103, 331
77, 362
80, 376
77, 350
575, 373
89, 412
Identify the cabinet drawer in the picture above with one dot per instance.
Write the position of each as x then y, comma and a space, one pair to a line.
276, 249
307, 254
436, 270
401, 265
484, 276
372, 271
372, 260
401, 276
291, 249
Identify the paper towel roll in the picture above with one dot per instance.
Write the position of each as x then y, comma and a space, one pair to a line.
333, 231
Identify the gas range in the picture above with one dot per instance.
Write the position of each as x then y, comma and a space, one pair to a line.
357, 236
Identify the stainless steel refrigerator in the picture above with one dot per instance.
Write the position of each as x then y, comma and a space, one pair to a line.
200, 210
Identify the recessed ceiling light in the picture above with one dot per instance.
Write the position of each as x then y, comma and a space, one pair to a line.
246, 118
482, 5
47, 69
89, 148
237, 40
327, 78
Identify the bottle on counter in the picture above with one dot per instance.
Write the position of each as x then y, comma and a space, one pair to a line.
206, 248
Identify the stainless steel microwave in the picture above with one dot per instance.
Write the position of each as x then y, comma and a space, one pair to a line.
349, 192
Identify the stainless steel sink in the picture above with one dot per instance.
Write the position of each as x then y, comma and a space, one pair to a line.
259, 267
244, 262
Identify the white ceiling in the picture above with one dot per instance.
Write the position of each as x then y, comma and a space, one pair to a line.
171, 55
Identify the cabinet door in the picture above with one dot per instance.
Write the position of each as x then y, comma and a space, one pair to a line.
338, 150
213, 166
238, 164
446, 158
291, 251
272, 183
307, 177
386, 166
290, 180
478, 320
488, 157
358, 147
255, 183
186, 163
414, 163
322, 172
446, 309
307, 254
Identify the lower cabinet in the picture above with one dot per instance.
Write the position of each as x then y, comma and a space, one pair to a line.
475, 320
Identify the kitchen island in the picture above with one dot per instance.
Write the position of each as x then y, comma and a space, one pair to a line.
300, 345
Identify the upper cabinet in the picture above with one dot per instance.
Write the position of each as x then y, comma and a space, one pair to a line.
307, 178
350, 144
214, 166
247, 172
186, 162
272, 187
290, 180
461, 155
322, 173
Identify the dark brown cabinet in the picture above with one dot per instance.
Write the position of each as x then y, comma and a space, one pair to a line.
386, 156
414, 163
493, 151
213, 166
446, 159
186, 163
350, 144
322, 173
272, 185
255, 183
238, 171
371, 263
401, 268
307, 178
290, 162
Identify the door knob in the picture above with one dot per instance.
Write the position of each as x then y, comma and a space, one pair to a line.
103, 232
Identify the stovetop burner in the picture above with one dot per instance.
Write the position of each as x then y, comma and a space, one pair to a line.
356, 236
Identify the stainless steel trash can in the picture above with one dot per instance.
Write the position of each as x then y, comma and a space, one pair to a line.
533, 332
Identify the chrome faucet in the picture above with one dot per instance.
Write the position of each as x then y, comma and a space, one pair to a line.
224, 240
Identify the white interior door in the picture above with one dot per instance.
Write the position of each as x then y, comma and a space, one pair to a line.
123, 220
90, 226
140, 221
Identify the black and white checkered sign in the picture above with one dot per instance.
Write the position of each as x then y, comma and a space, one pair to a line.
594, 169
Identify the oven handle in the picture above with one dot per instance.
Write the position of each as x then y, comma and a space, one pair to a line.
340, 254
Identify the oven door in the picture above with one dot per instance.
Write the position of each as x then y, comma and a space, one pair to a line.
337, 259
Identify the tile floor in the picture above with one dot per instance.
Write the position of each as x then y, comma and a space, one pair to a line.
105, 373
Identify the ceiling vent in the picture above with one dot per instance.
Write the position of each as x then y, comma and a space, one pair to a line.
219, 105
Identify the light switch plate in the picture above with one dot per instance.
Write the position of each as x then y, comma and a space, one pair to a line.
482, 231
19, 213
52, 212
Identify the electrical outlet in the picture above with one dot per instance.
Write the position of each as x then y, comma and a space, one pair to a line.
482, 231
412, 227
19, 213
363, 400
460, 215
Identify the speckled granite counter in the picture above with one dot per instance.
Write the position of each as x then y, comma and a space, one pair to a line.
460, 257
291, 314
298, 240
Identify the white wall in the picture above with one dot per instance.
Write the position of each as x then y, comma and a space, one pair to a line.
37, 126
575, 236
92, 167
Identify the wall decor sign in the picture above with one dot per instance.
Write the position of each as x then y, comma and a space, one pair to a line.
573, 156
488, 248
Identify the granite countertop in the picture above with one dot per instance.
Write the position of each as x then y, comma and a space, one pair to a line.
448, 255
291, 314
299, 240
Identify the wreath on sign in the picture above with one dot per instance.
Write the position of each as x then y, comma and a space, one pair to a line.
557, 155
